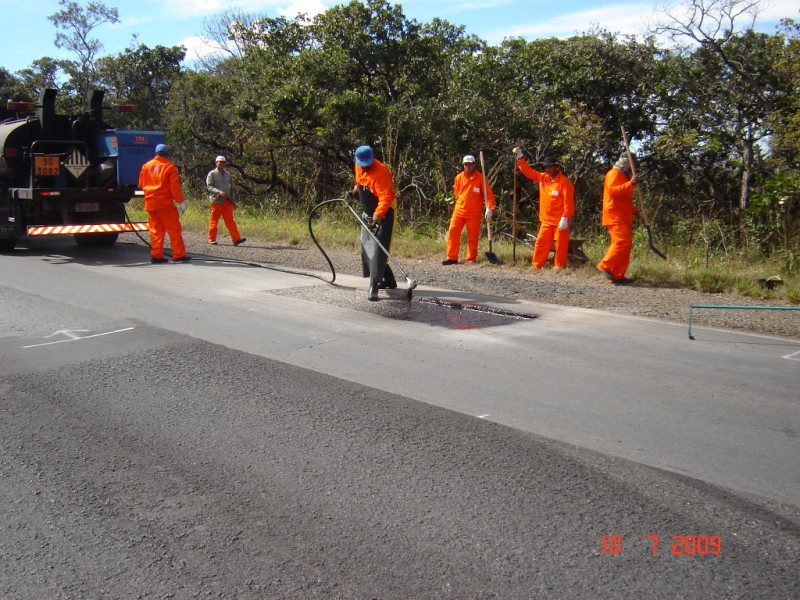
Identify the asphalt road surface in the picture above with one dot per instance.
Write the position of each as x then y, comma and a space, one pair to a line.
220, 430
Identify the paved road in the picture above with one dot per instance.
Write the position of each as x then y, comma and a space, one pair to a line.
193, 441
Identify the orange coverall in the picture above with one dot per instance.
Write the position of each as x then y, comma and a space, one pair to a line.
378, 199
162, 188
468, 211
618, 211
556, 200
378, 179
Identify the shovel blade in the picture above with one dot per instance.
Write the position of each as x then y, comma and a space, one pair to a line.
492, 258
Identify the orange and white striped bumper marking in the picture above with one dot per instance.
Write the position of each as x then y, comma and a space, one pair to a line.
96, 228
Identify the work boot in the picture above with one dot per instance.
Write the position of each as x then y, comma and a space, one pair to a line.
372, 295
449, 262
157, 261
239, 241
182, 259
388, 282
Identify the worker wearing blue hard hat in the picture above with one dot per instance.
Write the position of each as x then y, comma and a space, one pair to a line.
162, 191
375, 188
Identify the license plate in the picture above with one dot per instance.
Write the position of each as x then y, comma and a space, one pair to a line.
47, 166
83, 207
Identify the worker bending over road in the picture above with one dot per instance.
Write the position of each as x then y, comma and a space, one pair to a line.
375, 188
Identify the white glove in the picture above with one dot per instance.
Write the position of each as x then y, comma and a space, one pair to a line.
563, 224
488, 214
182, 207
517, 152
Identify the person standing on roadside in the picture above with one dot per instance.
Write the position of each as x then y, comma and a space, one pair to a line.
556, 207
375, 188
468, 187
219, 184
162, 190
618, 212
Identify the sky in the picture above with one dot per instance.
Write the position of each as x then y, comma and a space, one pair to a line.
29, 35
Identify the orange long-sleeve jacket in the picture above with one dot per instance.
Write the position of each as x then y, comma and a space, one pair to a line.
556, 196
378, 179
618, 206
161, 184
468, 190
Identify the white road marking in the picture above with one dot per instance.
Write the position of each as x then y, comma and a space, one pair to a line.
795, 356
74, 338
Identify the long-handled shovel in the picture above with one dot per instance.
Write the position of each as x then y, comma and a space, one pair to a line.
514, 221
490, 256
639, 198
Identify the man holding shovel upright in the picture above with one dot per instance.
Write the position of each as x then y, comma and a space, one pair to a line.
618, 211
556, 207
468, 209
375, 189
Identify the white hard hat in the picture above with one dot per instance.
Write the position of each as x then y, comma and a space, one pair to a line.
468, 159
220, 159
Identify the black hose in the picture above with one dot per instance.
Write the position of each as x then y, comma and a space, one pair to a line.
314, 238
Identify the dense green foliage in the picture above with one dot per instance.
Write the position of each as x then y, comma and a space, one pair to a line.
716, 123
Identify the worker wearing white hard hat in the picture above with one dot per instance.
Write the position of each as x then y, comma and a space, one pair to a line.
468, 210
219, 184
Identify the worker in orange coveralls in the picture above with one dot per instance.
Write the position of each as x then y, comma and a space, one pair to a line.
618, 211
162, 189
469, 206
375, 189
556, 207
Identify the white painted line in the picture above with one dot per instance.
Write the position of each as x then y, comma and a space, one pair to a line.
484, 416
795, 356
75, 338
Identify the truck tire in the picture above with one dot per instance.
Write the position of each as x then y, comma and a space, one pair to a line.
7, 245
95, 240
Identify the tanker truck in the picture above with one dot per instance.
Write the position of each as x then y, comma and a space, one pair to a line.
68, 175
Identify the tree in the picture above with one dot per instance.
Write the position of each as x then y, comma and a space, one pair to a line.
75, 25
713, 25
10, 85
143, 76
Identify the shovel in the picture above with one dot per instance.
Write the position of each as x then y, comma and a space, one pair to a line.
514, 222
639, 198
490, 256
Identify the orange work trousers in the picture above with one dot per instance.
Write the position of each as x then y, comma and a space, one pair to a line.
224, 210
544, 241
457, 224
161, 222
618, 255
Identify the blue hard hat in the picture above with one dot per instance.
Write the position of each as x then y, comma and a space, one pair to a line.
364, 156
162, 149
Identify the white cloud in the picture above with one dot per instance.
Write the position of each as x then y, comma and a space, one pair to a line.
195, 8
775, 10
197, 47
310, 8
624, 18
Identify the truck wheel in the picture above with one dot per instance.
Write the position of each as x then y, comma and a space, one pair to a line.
95, 240
7, 245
